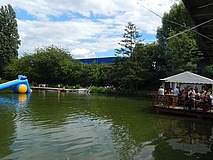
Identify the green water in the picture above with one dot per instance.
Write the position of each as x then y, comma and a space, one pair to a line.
68, 126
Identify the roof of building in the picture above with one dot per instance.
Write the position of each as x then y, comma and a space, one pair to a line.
188, 77
108, 60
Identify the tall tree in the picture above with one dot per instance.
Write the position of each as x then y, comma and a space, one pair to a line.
176, 20
177, 48
46, 65
130, 39
128, 67
47, 62
9, 37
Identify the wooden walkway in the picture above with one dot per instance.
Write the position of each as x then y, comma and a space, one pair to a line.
170, 105
82, 90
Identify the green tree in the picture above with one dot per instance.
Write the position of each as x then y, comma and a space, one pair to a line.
180, 58
208, 71
131, 37
67, 72
99, 74
9, 37
176, 20
129, 65
150, 64
45, 65
11, 70
47, 62
176, 48
54, 65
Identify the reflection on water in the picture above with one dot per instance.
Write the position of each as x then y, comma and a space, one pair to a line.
9, 106
191, 138
51, 125
15, 101
186, 139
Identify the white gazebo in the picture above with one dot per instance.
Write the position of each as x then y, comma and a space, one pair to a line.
187, 79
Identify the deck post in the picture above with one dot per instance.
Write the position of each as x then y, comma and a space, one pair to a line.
153, 99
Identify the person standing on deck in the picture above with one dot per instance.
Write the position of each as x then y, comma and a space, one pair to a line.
211, 99
161, 93
176, 91
192, 95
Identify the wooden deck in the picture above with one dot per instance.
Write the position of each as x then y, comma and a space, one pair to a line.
82, 90
169, 104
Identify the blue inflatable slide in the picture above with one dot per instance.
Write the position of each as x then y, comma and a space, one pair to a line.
19, 85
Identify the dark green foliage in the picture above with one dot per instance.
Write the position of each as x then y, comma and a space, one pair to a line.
53, 65
43, 66
99, 74
176, 51
47, 61
130, 65
9, 37
102, 90
176, 20
207, 71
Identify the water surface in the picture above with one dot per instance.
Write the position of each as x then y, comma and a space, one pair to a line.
51, 125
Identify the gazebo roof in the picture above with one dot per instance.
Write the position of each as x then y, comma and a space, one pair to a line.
188, 77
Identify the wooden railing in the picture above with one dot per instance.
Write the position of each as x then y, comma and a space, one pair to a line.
171, 101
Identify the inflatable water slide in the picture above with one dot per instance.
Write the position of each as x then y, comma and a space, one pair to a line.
19, 85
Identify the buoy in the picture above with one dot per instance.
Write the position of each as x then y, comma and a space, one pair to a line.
22, 88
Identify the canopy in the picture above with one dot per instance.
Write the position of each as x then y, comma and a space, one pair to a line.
188, 77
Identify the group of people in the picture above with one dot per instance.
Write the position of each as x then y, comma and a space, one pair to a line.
162, 91
192, 96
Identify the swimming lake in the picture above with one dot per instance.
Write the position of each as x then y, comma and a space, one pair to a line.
67, 126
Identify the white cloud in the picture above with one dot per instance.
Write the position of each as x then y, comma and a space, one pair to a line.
82, 53
90, 26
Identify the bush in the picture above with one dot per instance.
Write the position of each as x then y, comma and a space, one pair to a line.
95, 89
77, 86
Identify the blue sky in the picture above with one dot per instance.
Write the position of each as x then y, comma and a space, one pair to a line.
86, 28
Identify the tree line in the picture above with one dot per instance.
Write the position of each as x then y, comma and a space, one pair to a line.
137, 66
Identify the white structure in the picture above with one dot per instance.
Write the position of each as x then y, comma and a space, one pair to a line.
187, 79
